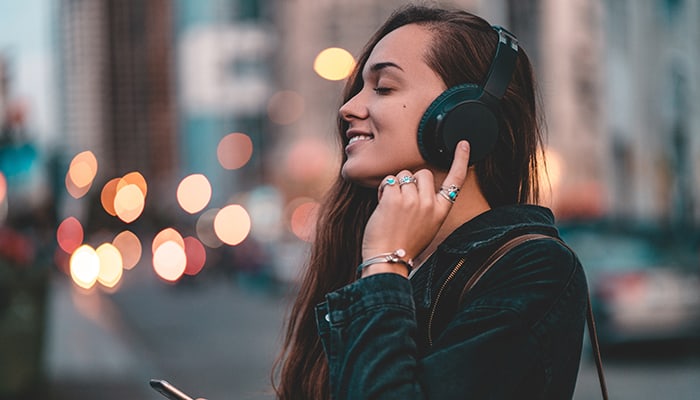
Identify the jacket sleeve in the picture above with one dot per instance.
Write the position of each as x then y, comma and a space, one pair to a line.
521, 330
368, 330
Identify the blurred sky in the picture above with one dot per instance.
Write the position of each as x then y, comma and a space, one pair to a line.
25, 36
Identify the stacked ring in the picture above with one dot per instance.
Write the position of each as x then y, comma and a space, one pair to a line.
407, 179
450, 193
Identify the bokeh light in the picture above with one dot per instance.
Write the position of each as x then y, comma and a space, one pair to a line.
285, 107
130, 248
334, 63
234, 150
303, 218
111, 265
194, 193
232, 224
205, 229
83, 169
75, 191
309, 159
129, 203
107, 196
133, 178
169, 261
167, 235
69, 234
196, 255
84, 266
3, 187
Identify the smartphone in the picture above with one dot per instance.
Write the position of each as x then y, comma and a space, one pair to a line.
169, 390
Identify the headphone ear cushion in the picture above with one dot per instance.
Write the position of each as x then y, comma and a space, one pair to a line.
460, 112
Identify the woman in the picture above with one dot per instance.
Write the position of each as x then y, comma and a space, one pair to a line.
378, 333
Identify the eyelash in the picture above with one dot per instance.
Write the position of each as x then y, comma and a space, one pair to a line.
382, 90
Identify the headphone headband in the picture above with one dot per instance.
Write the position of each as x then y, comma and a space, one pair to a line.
502, 64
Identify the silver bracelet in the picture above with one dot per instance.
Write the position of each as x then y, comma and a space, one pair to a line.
395, 257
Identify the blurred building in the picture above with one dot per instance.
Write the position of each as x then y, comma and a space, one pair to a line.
116, 81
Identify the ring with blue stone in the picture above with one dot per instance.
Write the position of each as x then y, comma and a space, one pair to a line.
390, 181
407, 179
449, 193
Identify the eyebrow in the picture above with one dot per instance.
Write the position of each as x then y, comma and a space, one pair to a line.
383, 65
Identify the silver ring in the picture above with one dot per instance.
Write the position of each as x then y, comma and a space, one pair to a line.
390, 181
449, 193
407, 179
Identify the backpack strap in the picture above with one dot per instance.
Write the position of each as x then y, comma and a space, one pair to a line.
517, 241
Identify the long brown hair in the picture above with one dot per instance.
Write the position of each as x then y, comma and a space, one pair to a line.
462, 49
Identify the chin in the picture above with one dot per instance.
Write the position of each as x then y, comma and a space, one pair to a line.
359, 178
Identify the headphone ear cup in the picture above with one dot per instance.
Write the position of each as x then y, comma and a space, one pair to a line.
461, 112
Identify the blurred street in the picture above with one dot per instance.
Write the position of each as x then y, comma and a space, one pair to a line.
217, 338
214, 339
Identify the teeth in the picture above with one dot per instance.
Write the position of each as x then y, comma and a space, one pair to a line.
358, 138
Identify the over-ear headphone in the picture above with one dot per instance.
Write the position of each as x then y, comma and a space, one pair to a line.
469, 111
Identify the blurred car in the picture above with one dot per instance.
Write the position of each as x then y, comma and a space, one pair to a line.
643, 286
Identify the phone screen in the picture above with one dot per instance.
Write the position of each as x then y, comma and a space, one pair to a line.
169, 390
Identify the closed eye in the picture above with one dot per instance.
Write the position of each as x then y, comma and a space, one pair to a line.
382, 90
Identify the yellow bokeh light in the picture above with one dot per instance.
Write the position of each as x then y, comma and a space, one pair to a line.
129, 246
84, 266
133, 178
232, 224
194, 193
167, 235
129, 203
234, 150
169, 261
285, 107
111, 265
334, 64
82, 169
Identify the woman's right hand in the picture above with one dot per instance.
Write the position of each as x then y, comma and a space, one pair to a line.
409, 215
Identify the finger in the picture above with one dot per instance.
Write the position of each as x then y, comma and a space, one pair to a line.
426, 185
458, 171
389, 181
407, 182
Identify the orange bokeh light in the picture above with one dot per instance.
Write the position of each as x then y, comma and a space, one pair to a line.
69, 234
75, 191
194, 193
232, 224
107, 196
129, 246
129, 203
82, 169
303, 220
167, 235
133, 178
169, 261
3, 187
234, 150
196, 255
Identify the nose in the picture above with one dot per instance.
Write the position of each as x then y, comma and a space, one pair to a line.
353, 109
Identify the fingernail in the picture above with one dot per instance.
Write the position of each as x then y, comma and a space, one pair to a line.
464, 145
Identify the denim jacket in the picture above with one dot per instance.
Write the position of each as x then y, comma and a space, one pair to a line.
517, 334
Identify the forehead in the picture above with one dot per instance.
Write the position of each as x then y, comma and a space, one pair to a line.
405, 46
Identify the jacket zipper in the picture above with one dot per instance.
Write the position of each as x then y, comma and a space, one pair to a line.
451, 276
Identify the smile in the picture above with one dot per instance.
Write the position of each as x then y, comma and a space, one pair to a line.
360, 138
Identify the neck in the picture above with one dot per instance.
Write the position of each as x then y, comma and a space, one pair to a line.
470, 203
